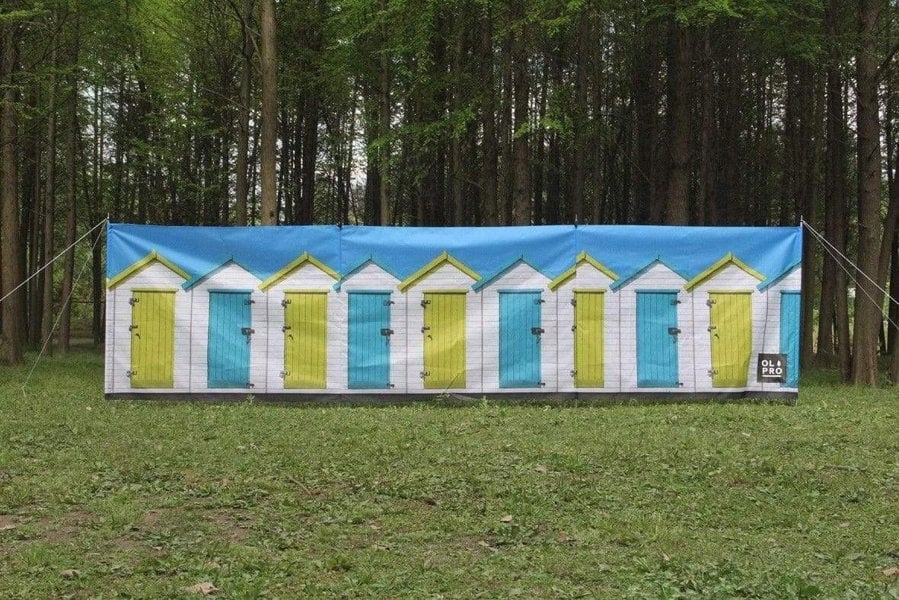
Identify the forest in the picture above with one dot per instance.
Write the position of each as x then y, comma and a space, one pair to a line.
453, 112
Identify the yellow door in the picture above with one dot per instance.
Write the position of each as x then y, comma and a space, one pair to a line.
152, 339
444, 340
588, 339
731, 336
305, 339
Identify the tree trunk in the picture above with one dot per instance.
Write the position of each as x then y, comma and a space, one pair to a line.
679, 56
49, 206
243, 116
705, 200
833, 282
576, 185
13, 307
646, 99
806, 192
65, 325
489, 154
269, 68
867, 312
521, 201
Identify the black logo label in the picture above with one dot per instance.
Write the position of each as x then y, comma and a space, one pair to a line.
772, 368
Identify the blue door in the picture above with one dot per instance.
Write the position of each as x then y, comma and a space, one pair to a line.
228, 359
369, 340
657, 339
789, 335
519, 339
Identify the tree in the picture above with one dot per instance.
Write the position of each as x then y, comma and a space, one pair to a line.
867, 307
13, 306
269, 68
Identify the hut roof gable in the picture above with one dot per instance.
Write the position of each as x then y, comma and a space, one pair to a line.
582, 259
152, 257
441, 259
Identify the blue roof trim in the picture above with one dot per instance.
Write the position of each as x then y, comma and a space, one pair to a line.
360, 265
196, 279
777, 278
621, 282
485, 281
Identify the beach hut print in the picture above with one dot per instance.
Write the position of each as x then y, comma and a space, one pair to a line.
374, 335
728, 285
142, 300
518, 314
784, 305
438, 298
224, 327
582, 292
302, 289
651, 307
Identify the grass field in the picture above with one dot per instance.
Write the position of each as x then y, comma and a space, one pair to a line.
106, 499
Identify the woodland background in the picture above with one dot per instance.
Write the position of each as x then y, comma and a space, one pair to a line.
453, 112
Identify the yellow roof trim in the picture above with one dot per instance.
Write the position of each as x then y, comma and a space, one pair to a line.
444, 257
295, 264
582, 257
724, 261
143, 263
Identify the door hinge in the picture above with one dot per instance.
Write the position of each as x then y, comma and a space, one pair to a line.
573, 372
710, 302
425, 303
132, 300
712, 372
541, 384
425, 328
284, 374
249, 301
247, 331
673, 330
680, 384
388, 302
250, 385
285, 328
574, 302
675, 302
711, 327
132, 327
574, 328
130, 374
391, 385
537, 330
386, 331
424, 374
539, 301
285, 302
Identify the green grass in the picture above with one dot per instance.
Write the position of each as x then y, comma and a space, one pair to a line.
668, 501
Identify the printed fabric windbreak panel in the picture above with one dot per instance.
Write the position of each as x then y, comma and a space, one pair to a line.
152, 339
323, 313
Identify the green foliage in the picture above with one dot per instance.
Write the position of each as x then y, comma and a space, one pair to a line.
667, 501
